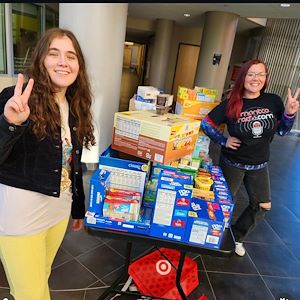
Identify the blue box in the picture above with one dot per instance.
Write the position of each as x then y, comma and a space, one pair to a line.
122, 174
205, 225
125, 174
172, 203
151, 185
99, 184
222, 197
142, 226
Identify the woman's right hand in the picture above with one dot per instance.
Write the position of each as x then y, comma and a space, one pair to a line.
16, 109
233, 143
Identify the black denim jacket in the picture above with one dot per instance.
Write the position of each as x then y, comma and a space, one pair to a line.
30, 164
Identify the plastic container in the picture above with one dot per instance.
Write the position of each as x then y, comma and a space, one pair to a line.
203, 183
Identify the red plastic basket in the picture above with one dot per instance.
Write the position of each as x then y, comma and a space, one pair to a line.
155, 275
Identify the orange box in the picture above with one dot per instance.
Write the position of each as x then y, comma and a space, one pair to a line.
194, 109
158, 138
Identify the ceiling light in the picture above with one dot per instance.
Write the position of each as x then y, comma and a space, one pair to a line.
187, 15
285, 5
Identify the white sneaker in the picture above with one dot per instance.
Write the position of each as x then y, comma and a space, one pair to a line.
240, 249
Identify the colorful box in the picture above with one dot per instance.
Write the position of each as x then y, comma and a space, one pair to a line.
205, 225
186, 93
121, 208
158, 138
99, 184
225, 203
194, 109
125, 174
205, 94
142, 226
201, 146
171, 206
147, 92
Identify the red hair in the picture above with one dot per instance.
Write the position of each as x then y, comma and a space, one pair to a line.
235, 103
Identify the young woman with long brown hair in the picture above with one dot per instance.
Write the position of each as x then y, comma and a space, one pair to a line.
252, 117
44, 124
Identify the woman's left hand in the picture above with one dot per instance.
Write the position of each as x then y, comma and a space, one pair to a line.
77, 224
292, 104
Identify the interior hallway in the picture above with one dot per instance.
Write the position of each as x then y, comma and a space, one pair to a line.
270, 269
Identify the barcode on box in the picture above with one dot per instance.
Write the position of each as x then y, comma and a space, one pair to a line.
198, 234
212, 239
91, 220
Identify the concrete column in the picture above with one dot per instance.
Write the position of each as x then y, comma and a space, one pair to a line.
100, 29
161, 51
217, 39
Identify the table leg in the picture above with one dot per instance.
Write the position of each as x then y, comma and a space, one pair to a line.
178, 275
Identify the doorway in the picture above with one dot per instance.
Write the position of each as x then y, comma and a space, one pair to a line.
132, 73
186, 66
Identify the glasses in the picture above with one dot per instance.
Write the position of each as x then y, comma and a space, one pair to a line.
252, 75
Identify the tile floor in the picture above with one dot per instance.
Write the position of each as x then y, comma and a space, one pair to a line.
85, 265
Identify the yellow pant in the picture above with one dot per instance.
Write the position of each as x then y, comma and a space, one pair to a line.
27, 261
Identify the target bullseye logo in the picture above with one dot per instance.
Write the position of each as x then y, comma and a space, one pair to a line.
163, 267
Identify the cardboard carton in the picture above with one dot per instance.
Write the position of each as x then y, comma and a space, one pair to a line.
157, 138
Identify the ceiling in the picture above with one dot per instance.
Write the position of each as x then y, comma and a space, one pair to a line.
175, 11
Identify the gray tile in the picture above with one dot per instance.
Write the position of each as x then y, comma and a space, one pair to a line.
71, 275
94, 291
137, 248
296, 207
68, 295
236, 287
80, 242
203, 288
282, 212
288, 231
283, 287
114, 275
101, 261
263, 233
295, 250
4, 294
233, 264
61, 257
273, 261
3, 280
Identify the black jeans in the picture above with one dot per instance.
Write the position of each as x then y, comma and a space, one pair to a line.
257, 184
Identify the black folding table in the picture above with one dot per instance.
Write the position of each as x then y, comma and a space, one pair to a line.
226, 249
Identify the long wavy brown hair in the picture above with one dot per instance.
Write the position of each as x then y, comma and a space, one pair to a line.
44, 111
235, 103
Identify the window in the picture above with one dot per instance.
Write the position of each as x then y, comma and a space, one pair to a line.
51, 18
3, 65
26, 29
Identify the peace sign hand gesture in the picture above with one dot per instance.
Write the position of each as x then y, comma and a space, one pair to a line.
16, 110
292, 104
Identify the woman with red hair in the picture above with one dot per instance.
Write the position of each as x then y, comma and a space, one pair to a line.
252, 117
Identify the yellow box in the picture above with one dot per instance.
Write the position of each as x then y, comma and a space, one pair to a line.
159, 138
186, 93
194, 109
206, 91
